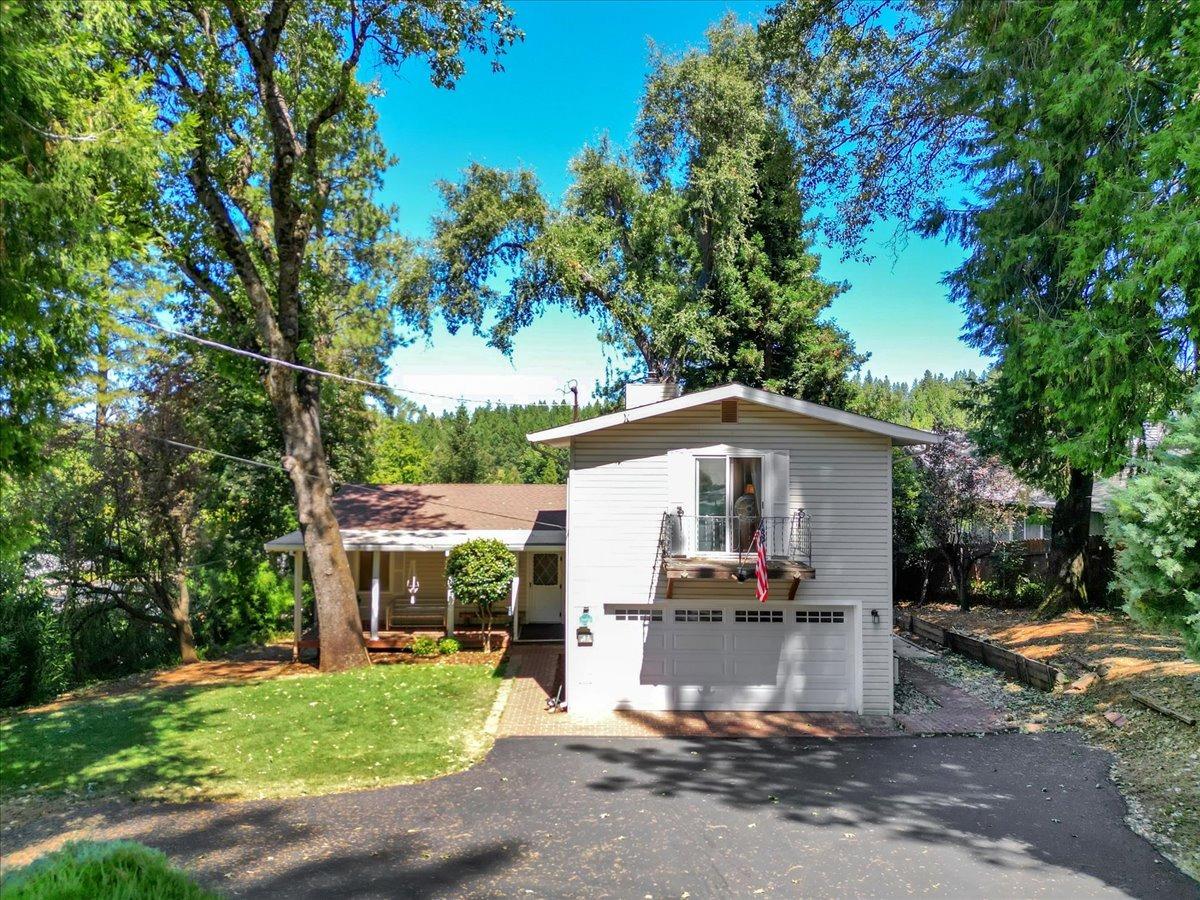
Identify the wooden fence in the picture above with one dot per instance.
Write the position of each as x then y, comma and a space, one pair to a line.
1029, 671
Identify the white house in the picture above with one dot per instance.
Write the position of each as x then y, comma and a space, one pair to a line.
655, 547
651, 584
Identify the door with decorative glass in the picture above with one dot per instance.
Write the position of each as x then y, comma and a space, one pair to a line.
544, 594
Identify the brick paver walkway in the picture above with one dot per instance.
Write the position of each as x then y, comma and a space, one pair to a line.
536, 672
957, 713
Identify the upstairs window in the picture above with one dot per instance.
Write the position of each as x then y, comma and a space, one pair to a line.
728, 502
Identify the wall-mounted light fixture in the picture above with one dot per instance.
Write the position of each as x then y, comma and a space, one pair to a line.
583, 634
875, 616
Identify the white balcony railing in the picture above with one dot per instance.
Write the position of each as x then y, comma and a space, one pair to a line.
722, 537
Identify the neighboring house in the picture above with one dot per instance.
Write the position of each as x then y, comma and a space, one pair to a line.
662, 503
1036, 526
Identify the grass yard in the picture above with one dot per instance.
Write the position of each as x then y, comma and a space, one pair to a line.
1158, 758
386, 724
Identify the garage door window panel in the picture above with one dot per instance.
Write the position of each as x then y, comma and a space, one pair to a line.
758, 616
699, 616
820, 617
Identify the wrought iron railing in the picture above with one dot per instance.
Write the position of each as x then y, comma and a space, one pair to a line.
785, 537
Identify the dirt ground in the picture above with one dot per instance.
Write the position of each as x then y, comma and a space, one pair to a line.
1158, 757
252, 664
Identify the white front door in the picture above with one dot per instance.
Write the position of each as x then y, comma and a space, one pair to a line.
544, 599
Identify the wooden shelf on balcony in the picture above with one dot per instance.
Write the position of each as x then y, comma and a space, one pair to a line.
700, 568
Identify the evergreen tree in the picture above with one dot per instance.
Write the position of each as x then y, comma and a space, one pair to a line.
1080, 164
458, 458
78, 156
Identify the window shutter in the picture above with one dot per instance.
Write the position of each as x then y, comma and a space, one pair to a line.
777, 486
681, 482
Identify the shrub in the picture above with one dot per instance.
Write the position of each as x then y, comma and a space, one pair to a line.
481, 573
88, 869
1155, 531
448, 646
243, 603
1008, 568
425, 645
35, 653
1029, 593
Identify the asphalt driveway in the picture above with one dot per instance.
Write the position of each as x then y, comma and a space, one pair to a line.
997, 816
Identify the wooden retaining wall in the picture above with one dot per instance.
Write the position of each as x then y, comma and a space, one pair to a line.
1028, 671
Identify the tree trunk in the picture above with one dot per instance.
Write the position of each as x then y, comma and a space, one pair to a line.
487, 628
924, 583
1067, 556
340, 629
960, 587
181, 619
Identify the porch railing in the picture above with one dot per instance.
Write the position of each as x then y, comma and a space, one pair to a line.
785, 537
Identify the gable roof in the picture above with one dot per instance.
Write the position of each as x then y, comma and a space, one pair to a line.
435, 516
899, 434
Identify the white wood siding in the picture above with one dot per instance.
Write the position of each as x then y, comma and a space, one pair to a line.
618, 491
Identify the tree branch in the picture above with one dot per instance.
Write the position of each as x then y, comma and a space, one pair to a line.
231, 242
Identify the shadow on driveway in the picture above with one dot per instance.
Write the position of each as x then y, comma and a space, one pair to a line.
999, 816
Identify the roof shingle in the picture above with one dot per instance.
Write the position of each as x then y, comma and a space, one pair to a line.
484, 507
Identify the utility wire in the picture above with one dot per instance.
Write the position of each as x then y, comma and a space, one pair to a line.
271, 360
276, 468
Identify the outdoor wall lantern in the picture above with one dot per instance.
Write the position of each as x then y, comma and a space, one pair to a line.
875, 616
583, 634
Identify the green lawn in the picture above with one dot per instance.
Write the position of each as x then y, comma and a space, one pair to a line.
387, 724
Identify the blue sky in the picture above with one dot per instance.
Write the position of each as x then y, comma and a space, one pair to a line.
578, 75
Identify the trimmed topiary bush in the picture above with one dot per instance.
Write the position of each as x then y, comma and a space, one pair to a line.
87, 869
481, 573
448, 646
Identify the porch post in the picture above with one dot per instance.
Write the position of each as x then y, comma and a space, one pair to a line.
449, 605
297, 600
513, 611
375, 595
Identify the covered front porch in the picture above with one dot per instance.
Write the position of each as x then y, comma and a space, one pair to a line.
403, 593
397, 538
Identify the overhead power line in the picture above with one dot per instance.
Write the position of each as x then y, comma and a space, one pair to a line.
378, 386
258, 463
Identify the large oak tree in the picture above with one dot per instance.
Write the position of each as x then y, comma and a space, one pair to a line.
690, 251
270, 218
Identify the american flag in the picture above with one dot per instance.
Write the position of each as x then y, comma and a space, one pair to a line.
760, 568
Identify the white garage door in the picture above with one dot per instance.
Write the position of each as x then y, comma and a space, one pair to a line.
752, 657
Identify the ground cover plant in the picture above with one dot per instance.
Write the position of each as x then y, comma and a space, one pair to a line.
387, 724
112, 870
